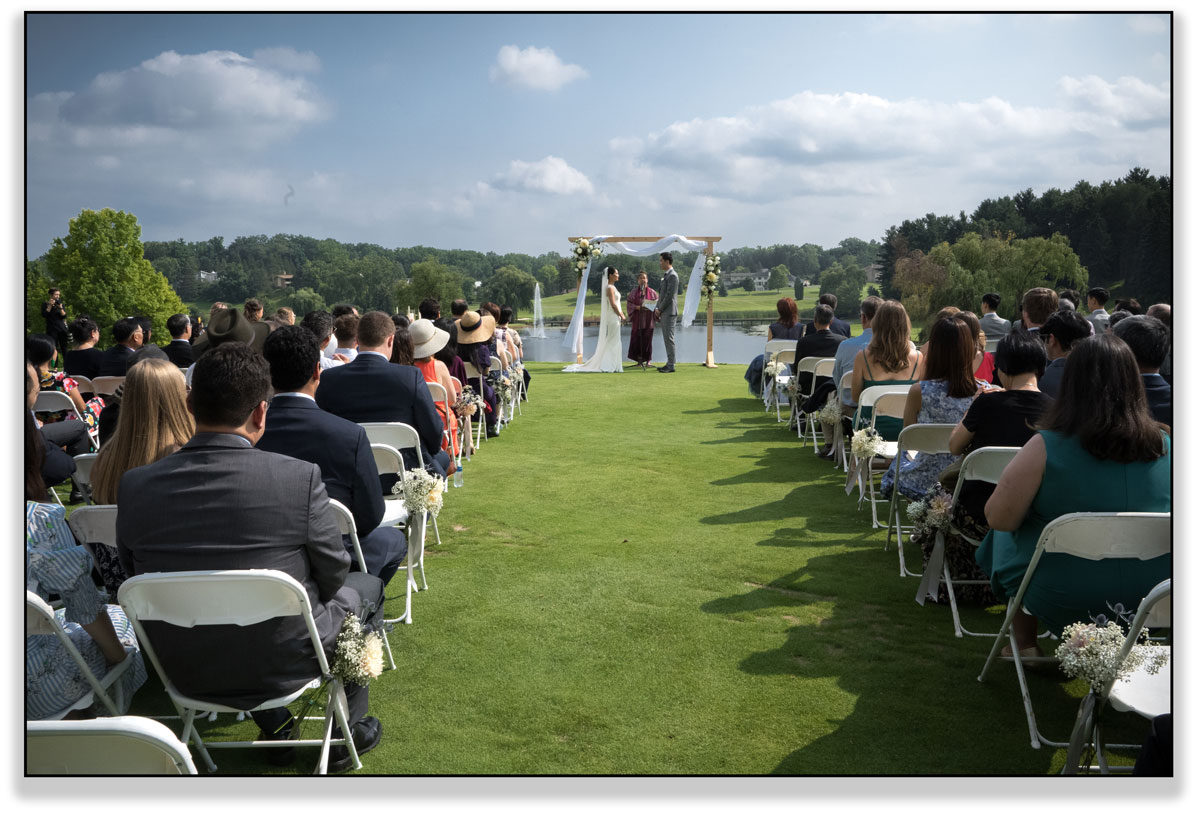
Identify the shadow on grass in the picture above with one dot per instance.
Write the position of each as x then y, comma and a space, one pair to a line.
758, 434
847, 627
725, 406
810, 536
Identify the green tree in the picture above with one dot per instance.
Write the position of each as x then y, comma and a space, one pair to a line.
509, 286
778, 278
748, 283
36, 290
430, 278
102, 272
846, 280
305, 300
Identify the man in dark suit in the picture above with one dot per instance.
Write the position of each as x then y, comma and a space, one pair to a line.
821, 342
128, 333
372, 389
179, 350
1150, 339
297, 427
218, 503
836, 325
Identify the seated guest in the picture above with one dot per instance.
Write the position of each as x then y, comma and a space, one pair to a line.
819, 343
370, 389
127, 333
1090, 455
1130, 305
474, 331
1071, 295
227, 326
179, 350
837, 326
1097, 296
46, 464
1149, 340
427, 339
943, 395
1162, 311
511, 337
400, 321
430, 309
321, 324
458, 308
1004, 417
889, 359
100, 633
344, 309
402, 347
219, 503
945, 311
985, 362
345, 332
284, 316
787, 327
40, 351
844, 362
1060, 333
1116, 317
153, 422
1036, 307
501, 344
994, 326
85, 359
296, 427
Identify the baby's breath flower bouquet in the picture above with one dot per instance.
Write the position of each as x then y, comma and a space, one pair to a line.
584, 250
930, 514
711, 281
468, 402
866, 443
504, 390
774, 369
831, 411
422, 492
359, 656
1089, 650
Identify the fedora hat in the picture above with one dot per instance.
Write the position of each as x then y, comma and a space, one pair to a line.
427, 339
228, 326
475, 329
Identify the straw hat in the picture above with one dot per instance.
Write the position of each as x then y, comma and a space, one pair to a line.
427, 339
475, 329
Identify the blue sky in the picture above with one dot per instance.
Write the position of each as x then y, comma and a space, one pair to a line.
511, 132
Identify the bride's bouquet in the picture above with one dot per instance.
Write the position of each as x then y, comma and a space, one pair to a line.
584, 250
711, 282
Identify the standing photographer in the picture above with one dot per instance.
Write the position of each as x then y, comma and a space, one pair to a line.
56, 322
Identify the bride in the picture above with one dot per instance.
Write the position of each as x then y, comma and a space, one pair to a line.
608, 356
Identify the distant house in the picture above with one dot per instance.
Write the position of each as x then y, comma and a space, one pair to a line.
208, 277
734, 279
873, 272
283, 281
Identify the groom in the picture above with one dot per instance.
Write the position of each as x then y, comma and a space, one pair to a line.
668, 308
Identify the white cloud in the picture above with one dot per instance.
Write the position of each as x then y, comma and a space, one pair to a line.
1148, 23
549, 175
288, 59
537, 68
1128, 100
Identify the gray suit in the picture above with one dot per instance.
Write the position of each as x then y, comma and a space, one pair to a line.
218, 503
994, 326
668, 307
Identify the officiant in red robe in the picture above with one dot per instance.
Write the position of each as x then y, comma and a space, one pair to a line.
640, 308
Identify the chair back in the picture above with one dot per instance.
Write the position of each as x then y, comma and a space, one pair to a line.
83, 383
53, 401
871, 395
83, 474
806, 364
933, 437
39, 616
398, 435
497, 366
824, 367
40, 619
107, 745
388, 460
991, 344
890, 404
983, 465
1097, 536
787, 356
438, 392
106, 385
773, 347
346, 527
95, 524
472, 371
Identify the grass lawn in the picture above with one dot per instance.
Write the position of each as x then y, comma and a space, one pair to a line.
685, 590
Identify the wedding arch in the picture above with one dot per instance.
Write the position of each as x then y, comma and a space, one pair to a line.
615, 244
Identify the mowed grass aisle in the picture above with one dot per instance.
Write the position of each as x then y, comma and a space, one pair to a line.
645, 574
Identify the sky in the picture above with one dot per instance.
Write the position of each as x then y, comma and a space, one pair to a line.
511, 132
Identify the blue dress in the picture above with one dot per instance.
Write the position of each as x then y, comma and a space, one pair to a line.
1066, 589
920, 473
778, 331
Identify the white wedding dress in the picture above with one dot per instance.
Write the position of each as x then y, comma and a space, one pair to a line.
608, 356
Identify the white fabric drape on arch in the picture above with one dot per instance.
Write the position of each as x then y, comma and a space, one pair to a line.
573, 339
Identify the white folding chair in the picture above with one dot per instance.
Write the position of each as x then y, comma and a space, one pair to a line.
991, 344
980, 465
883, 400
347, 527
475, 378
1148, 695
464, 429
931, 438
102, 386
40, 619
400, 436
56, 401
772, 348
105, 746
841, 449
242, 598
505, 406
439, 395
1090, 536
83, 474
84, 384
817, 367
780, 383
95, 524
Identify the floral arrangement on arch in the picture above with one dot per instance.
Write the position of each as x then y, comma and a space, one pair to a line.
1089, 650
867, 443
711, 281
931, 514
359, 655
584, 250
421, 491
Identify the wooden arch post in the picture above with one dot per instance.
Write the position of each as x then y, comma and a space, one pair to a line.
709, 362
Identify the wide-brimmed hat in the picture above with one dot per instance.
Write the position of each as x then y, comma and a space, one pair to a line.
427, 339
475, 329
228, 326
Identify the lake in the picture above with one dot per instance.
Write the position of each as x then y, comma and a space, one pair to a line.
731, 344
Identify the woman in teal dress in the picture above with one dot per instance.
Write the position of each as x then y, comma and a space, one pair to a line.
889, 359
1099, 450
